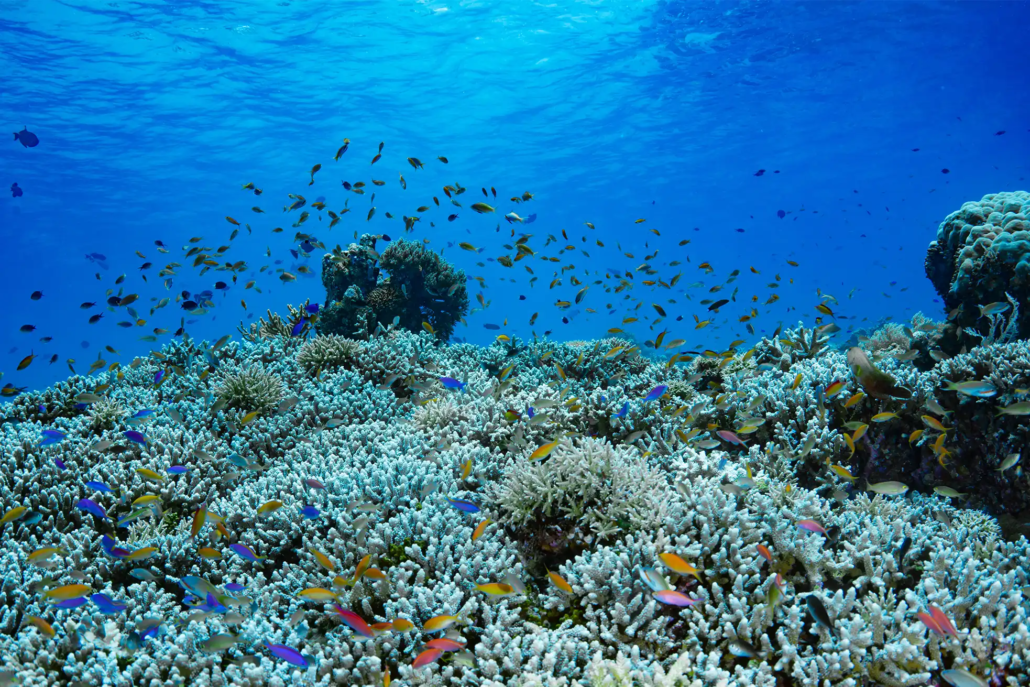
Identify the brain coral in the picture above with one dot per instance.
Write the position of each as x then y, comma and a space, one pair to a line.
981, 253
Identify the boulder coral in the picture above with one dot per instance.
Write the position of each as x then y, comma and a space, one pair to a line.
982, 256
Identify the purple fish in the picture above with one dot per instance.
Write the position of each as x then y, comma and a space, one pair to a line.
288, 654
234, 587
244, 551
466, 506
106, 604
622, 412
452, 383
656, 393
91, 506
99, 486
158, 376
60, 464
133, 435
309, 512
177, 470
313, 483
312, 308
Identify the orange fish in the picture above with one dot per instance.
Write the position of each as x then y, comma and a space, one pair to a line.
559, 582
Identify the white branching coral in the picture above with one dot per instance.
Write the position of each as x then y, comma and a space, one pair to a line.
591, 485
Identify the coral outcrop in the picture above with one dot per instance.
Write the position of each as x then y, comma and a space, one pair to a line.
407, 285
982, 256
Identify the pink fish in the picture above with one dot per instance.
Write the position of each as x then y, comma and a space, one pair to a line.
426, 657
929, 621
729, 436
811, 526
673, 598
943, 622
354, 621
444, 644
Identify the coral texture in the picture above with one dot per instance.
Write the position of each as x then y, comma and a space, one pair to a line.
982, 256
375, 486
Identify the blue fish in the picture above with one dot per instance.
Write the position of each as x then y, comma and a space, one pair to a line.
108, 545
90, 506
142, 574
452, 383
99, 486
530, 412
52, 436
465, 506
107, 605
299, 327
143, 413
16, 191
214, 605
492, 327
622, 411
656, 393
288, 654
32, 518
158, 376
312, 308
133, 435
177, 470
71, 603
60, 464
234, 587
530, 219
309, 512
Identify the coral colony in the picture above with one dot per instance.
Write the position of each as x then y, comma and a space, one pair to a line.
342, 497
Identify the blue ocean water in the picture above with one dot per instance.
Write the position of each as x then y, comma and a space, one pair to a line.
152, 115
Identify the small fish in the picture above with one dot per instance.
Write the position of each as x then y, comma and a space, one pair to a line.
496, 589
888, 488
742, 649
354, 621
134, 436
288, 654
656, 393
1021, 408
679, 565
464, 506
559, 582
428, 656
981, 389
543, 451
244, 551
452, 383
92, 507
883, 417
1010, 460
673, 598
818, 612
811, 526
960, 677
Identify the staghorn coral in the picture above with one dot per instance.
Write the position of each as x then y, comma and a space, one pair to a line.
328, 353
250, 389
982, 253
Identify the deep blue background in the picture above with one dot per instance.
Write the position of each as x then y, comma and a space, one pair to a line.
153, 114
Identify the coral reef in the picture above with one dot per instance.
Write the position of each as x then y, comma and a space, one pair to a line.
375, 486
982, 256
408, 285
